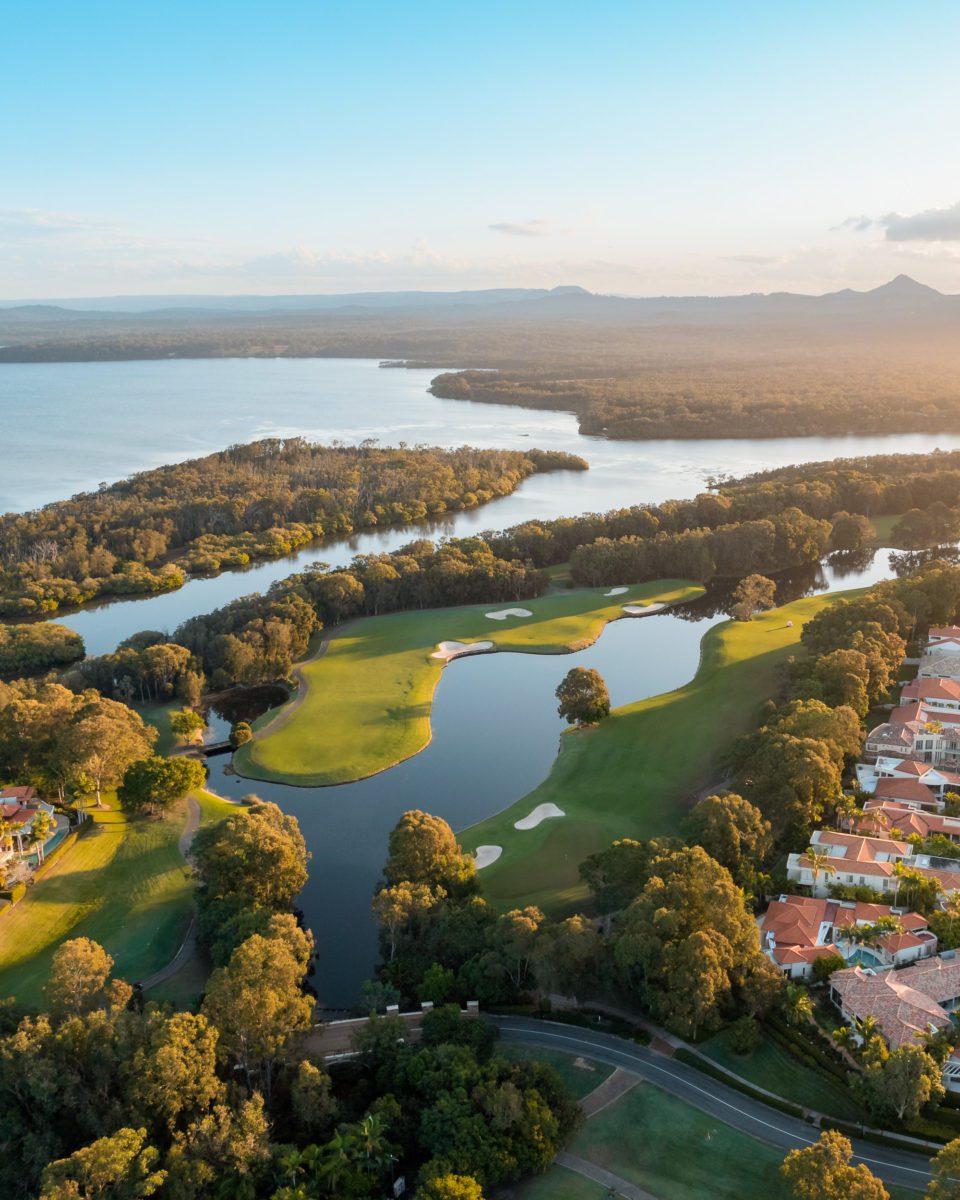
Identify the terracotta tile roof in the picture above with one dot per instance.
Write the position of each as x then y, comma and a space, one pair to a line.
947, 631
905, 1002
931, 689
904, 789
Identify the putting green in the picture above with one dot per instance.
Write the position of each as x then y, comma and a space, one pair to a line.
635, 774
365, 699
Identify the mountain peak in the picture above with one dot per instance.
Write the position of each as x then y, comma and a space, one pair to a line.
905, 286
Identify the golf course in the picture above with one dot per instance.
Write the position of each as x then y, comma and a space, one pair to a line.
125, 884
635, 774
365, 698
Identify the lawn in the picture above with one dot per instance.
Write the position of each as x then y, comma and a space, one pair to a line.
636, 773
364, 705
123, 883
883, 529
673, 1150
773, 1068
581, 1075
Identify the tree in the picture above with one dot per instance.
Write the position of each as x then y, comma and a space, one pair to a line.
311, 1099
449, 1187
616, 875
422, 849
42, 826
174, 1074
824, 1171
255, 855
903, 1082
797, 1005
851, 532
79, 975
158, 783
105, 739
791, 780
437, 985
398, 906
583, 696
257, 1004
752, 595
819, 863
240, 734
186, 723
733, 831
120, 1167
945, 1169
687, 940
567, 957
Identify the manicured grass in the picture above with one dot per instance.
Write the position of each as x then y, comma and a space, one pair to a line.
365, 705
581, 1075
773, 1068
558, 1184
635, 774
657, 1142
158, 715
883, 529
124, 884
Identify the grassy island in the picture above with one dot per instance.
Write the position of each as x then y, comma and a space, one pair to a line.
365, 698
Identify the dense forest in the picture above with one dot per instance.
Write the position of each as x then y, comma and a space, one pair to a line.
767, 523
261, 500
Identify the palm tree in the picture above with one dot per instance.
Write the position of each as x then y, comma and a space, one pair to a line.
797, 1005
43, 825
868, 1027
819, 862
846, 1038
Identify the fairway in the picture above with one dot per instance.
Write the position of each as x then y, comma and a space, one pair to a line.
123, 883
636, 773
364, 702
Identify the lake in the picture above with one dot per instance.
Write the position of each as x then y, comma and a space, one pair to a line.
69, 426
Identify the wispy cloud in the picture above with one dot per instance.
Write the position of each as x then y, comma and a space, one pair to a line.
538, 227
931, 225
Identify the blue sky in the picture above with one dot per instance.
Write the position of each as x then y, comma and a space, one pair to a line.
630, 147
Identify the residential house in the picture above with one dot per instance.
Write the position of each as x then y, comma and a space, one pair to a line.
915, 731
881, 817
938, 780
855, 860
19, 808
907, 1004
938, 695
795, 931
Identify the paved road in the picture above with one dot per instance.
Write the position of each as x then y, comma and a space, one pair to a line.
898, 1167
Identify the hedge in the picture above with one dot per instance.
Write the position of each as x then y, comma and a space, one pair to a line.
13, 894
59, 848
693, 1059
890, 1140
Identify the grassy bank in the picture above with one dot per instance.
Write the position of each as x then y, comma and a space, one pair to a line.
124, 883
674, 1151
364, 704
636, 773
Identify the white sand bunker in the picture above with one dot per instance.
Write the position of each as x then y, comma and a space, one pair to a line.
503, 613
642, 610
540, 813
448, 650
486, 855
616, 591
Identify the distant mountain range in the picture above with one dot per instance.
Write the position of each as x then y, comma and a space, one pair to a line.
902, 299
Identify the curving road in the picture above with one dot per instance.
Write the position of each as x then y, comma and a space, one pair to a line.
902, 1168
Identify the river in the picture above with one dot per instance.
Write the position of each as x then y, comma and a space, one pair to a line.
69, 426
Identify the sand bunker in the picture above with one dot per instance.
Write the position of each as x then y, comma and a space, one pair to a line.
540, 813
448, 650
616, 591
642, 610
487, 855
502, 613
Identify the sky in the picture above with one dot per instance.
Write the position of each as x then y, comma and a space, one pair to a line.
638, 148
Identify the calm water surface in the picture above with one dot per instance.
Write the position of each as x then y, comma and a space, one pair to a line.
68, 426
495, 735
